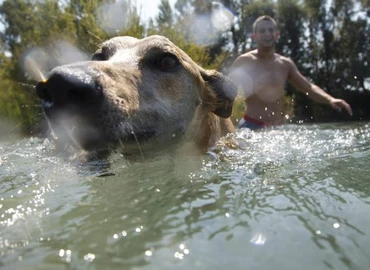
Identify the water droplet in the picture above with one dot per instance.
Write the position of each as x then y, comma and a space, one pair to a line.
179, 255
89, 257
258, 239
148, 253
61, 253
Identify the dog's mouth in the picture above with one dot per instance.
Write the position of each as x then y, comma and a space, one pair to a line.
71, 100
82, 131
81, 127
76, 108
70, 126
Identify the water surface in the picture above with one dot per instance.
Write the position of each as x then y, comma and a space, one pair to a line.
292, 197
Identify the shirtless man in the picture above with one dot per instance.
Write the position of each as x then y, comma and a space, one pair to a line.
262, 74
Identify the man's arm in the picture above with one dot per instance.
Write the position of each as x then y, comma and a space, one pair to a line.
313, 91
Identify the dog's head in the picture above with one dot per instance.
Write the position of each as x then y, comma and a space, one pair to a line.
132, 91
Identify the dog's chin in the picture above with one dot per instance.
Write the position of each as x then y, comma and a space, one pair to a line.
89, 138
77, 133
86, 138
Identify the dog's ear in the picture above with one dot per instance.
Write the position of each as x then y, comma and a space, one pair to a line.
224, 89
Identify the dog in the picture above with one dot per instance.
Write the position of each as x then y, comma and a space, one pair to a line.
138, 94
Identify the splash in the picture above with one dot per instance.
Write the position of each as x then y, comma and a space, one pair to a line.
266, 86
221, 17
39, 61
206, 28
114, 17
243, 81
258, 239
34, 64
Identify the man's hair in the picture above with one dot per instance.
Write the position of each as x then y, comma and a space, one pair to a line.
263, 18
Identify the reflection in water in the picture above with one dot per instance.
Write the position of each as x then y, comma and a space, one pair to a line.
291, 197
258, 239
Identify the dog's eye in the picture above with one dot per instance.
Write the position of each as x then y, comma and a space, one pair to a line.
98, 57
168, 62
102, 54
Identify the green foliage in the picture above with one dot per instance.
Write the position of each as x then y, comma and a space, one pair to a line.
165, 14
29, 24
329, 42
168, 24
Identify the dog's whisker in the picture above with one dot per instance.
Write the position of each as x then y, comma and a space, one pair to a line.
121, 144
37, 128
14, 128
27, 85
70, 134
116, 104
138, 145
95, 36
21, 123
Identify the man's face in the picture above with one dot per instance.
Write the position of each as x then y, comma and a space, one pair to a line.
265, 34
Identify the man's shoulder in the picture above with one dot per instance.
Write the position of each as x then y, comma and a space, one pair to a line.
249, 55
284, 59
245, 58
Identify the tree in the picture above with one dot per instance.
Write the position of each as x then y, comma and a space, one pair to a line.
165, 15
20, 34
46, 24
167, 23
329, 43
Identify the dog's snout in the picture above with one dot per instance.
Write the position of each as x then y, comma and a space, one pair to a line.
64, 88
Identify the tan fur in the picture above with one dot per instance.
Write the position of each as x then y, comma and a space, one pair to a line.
145, 94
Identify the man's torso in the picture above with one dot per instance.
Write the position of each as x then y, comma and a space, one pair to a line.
266, 79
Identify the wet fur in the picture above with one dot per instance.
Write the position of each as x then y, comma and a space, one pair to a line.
137, 93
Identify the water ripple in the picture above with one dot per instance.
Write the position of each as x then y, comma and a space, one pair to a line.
293, 196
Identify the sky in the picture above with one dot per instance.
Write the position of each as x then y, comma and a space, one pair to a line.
149, 8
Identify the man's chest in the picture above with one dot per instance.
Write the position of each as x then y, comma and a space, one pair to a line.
269, 79
269, 73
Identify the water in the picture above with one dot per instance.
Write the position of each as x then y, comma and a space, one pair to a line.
293, 197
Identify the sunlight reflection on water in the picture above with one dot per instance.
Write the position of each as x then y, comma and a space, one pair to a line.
298, 192
258, 239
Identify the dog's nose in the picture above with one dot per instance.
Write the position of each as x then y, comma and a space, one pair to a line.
66, 86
